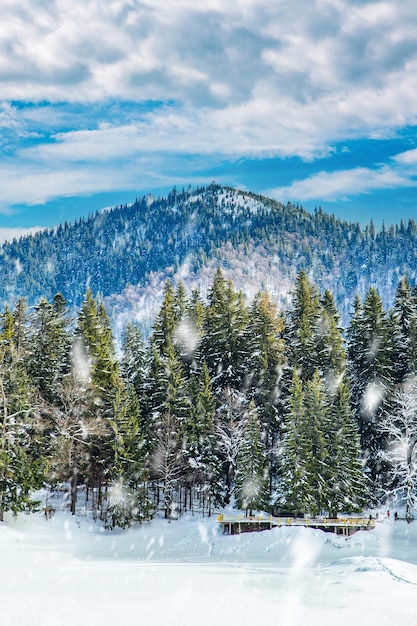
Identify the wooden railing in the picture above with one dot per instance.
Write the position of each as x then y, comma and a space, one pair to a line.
323, 523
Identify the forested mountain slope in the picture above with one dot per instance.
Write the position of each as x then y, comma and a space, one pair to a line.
125, 254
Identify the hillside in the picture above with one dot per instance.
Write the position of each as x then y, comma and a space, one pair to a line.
126, 253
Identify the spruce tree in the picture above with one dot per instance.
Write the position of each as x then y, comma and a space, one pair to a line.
317, 457
94, 332
331, 353
229, 426
347, 488
301, 327
201, 454
223, 342
372, 375
251, 480
356, 353
404, 332
166, 321
170, 410
264, 364
49, 358
22, 463
294, 484
128, 501
133, 358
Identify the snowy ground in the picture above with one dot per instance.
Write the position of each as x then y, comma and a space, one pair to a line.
69, 572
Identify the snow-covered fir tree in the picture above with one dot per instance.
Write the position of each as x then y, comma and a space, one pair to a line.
251, 479
370, 351
223, 341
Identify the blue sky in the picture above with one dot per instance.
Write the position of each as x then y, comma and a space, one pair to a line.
311, 102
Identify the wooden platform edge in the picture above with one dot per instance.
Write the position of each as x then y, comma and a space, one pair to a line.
346, 526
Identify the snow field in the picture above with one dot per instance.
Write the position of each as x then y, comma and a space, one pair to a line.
69, 572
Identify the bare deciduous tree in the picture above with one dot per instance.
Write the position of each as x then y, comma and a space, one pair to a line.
400, 427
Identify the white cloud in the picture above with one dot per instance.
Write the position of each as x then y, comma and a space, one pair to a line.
8, 234
243, 78
341, 184
407, 158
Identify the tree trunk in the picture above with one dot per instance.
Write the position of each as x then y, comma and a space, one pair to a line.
74, 490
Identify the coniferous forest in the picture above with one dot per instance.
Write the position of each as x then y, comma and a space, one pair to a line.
229, 401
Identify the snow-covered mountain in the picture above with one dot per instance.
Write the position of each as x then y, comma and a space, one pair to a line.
126, 253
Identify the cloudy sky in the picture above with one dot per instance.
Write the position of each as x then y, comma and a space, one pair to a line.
312, 101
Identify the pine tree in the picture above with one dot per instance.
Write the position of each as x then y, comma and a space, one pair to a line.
330, 344
317, 458
294, 483
301, 327
201, 455
371, 370
166, 321
49, 358
404, 332
133, 358
187, 335
223, 342
229, 426
347, 488
356, 353
171, 407
251, 480
95, 340
320, 461
21, 462
134, 364
265, 362
128, 501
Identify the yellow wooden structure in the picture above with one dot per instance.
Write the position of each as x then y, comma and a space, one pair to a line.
346, 526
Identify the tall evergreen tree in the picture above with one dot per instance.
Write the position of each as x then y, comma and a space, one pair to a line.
330, 344
301, 327
201, 454
166, 321
251, 481
94, 332
223, 342
171, 407
372, 375
49, 358
21, 462
265, 362
404, 332
294, 485
230, 426
317, 458
133, 358
347, 488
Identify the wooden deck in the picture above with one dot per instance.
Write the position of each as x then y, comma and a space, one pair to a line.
235, 525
